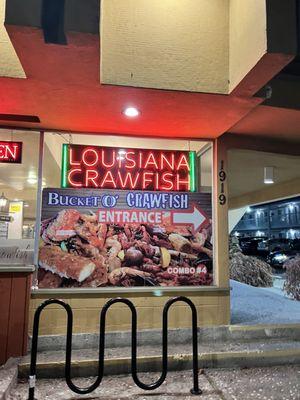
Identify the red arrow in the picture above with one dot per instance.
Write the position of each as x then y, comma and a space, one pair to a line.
194, 217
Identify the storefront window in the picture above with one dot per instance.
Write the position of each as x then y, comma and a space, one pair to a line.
205, 168
125, 212
19, 152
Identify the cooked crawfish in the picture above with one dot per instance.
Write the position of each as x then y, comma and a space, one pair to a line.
91, 231
118, 275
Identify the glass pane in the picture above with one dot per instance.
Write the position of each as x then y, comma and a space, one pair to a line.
18, 188
114, 214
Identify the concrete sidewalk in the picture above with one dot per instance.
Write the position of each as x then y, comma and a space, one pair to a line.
255, 305
275, 383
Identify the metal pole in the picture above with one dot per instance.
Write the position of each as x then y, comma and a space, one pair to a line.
35, 336
195, 390
35, 333
38, 206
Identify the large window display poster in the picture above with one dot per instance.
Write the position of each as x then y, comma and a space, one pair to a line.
94, 237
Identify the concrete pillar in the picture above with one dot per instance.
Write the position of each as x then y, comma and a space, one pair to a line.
220, 201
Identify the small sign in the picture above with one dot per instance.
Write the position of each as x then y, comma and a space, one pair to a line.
15, 207
5, 218
10, 152
129, 169
10, 255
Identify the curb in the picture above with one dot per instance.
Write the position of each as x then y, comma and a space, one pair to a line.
225, 333
8, 378
116, 366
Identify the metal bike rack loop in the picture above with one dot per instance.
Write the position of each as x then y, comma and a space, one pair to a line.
32, 377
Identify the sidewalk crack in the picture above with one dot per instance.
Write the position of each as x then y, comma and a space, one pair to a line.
217, 391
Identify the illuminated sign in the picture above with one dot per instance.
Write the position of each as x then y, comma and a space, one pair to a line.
119, 168
162, 239
10, 152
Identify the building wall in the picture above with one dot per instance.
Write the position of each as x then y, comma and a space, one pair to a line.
170, 44
174, 44
9, 62
213, 309
268, 193
247, 37
276, 219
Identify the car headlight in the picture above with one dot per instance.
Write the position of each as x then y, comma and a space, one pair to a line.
280, 257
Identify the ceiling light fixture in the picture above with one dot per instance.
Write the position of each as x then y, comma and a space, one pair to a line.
131, 112
268, 175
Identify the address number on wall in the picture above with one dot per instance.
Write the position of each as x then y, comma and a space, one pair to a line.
222, 179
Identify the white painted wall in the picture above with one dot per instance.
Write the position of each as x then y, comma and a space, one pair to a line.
247, 37
169, 44
234, 217
9, 62
192, 45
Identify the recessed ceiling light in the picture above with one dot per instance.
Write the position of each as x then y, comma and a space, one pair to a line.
131, 112
268, 181
32, 181
268, 175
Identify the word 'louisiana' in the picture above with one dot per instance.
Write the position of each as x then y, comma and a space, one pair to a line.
113, 168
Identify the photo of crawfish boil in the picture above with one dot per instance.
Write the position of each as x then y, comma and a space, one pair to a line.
78, 251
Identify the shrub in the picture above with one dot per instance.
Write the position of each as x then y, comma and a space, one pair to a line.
249, 270
292, 283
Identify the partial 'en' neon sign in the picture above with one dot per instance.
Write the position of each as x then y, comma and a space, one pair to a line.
134, 169
10, 152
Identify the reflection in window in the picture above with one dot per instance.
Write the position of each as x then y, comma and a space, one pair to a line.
18, 189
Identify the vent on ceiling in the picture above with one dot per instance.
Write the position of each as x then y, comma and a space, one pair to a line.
19, 118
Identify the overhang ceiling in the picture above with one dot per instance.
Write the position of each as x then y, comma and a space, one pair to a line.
270, 123
63, 86
63, 90
246, 170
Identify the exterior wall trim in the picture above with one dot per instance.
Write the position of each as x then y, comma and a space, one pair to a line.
139, 291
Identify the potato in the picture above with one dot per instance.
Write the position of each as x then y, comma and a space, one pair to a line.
165, 257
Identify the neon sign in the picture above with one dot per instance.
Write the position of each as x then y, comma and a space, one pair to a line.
10, 152
119, 168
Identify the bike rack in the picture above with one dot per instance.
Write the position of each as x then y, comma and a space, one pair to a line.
32, 377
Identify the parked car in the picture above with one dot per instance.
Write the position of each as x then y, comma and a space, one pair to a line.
277, 258
249, 245
296, 244
271, 245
